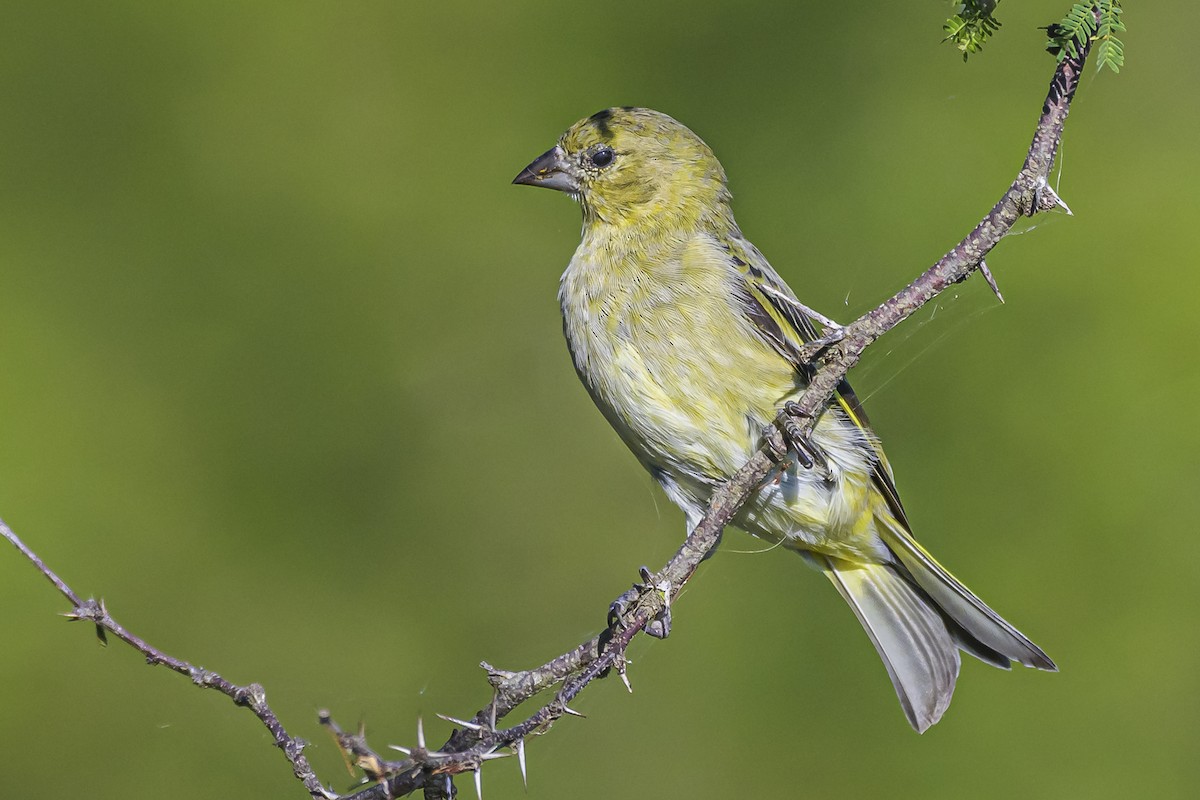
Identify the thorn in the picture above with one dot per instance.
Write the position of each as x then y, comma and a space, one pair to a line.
420, 734
492, 710
519, 746
621, 664
479, 783
1064, 206
422, 753
991, 281
1045, 198
492, 755
462, 722
568, 710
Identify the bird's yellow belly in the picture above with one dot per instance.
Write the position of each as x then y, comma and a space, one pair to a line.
689, 383
695, 415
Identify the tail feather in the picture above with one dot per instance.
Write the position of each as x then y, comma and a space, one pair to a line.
981, 625
968, 643
908, 631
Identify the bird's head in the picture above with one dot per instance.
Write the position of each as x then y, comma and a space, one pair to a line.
633, 165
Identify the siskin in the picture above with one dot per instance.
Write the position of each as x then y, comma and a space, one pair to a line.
687, 341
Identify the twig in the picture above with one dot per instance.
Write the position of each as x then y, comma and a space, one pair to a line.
251, 696
479, 739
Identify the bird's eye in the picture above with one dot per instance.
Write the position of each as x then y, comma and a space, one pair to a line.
602, 157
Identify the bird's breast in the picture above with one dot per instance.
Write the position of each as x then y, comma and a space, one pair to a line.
671, 363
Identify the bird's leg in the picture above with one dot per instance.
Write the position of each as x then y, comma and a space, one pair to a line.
807, 452
660, 625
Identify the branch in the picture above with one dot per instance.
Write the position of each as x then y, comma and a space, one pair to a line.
251, 696
479, 739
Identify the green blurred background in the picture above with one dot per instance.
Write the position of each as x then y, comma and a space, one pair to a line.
283, 381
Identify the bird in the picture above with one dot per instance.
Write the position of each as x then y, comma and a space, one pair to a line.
689, 343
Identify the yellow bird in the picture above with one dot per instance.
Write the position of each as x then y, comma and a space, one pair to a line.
687, 341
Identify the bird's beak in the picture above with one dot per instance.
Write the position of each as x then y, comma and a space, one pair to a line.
551, 170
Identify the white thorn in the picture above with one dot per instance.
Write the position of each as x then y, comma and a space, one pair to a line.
420, 734
625, 680
568, 710
991, 281
1042, 189
404, 750
479, 783
492, 755
492, 711
520, 748
468, 725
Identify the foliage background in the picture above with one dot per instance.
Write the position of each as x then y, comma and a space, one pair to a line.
283, 382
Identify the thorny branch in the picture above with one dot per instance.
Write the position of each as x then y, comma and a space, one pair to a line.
479, 739
253, 696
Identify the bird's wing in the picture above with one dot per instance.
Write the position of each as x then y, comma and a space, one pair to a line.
786, 324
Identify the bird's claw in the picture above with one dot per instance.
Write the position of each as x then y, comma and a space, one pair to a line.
660, 625
807, 452
811, 351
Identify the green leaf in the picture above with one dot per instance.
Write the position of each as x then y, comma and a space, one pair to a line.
971, 26
1068, 37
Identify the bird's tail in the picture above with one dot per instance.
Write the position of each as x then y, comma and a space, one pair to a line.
913, 640
919, 616
978, 629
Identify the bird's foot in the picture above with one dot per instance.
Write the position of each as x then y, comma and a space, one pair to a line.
811, 351
660, 625
807, 452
